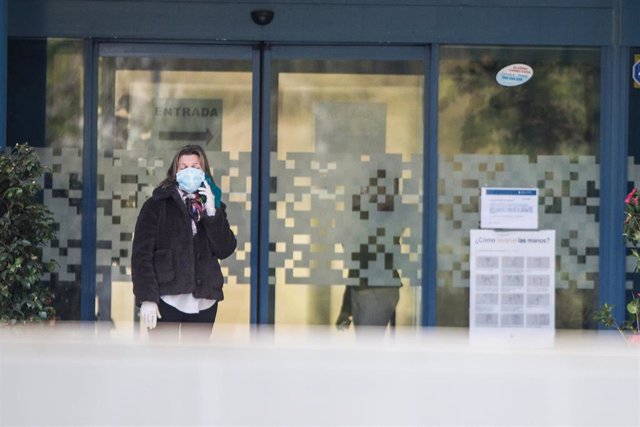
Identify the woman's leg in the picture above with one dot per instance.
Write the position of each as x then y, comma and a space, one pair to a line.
197, 326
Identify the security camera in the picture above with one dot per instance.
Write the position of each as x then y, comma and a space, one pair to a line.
262, 17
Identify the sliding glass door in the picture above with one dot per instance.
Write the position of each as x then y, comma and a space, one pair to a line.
345, 174
151, 102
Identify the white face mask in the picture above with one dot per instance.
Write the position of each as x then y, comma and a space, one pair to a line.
190, 179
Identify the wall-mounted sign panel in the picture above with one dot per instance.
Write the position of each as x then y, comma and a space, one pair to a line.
509, 208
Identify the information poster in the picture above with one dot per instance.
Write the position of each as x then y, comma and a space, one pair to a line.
512, 280
509, 208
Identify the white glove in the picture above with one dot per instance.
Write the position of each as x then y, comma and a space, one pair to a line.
210, 204
149, 313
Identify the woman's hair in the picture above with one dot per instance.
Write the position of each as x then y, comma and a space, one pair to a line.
170, 179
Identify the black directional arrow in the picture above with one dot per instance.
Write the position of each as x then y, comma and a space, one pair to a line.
174, 135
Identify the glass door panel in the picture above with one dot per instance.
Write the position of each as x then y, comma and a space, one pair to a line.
149, 107
346, 173
543, 133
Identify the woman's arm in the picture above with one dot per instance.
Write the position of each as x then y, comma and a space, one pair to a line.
145, 284
221, 238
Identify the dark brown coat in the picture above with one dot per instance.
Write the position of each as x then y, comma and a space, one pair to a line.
167, 259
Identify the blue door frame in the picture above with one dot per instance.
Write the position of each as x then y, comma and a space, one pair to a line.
261, 295
93, 50
430, 145
614, 126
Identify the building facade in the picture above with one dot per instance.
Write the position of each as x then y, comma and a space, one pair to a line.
351, 140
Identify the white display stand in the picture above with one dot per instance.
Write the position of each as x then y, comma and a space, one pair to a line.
512, 289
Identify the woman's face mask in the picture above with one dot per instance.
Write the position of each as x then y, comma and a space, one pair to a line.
190, 179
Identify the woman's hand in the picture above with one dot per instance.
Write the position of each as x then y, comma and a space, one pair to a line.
149, 313
210, 204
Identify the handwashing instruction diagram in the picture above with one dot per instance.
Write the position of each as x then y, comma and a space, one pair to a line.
512, 279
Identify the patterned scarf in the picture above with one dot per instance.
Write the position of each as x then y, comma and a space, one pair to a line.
195, 206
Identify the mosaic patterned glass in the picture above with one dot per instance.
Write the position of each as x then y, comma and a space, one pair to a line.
347, 220
346, 186
151, 108
542, 134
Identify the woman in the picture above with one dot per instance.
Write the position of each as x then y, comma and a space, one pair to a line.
181, 233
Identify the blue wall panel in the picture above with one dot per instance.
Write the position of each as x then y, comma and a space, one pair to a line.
630, 28
26, 96
561, 22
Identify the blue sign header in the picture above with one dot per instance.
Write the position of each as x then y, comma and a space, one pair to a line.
511, 192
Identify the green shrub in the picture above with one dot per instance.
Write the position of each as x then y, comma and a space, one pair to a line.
26, 225
631, 234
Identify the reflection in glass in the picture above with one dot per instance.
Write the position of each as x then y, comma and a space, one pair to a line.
543, 133
64, 136
346, 195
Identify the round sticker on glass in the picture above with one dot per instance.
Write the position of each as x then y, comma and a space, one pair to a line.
514, 75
